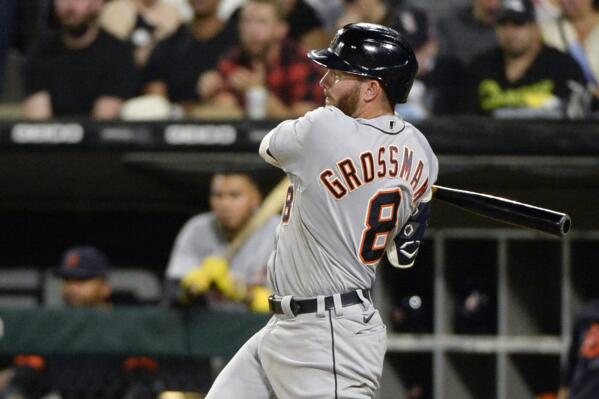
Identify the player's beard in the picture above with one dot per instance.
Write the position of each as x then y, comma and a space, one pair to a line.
348, 104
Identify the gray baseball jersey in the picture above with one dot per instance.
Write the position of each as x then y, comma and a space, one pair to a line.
202, 237
355, 183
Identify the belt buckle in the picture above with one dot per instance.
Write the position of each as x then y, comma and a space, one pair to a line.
271, 303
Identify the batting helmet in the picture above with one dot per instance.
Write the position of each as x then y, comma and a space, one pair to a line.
373, 51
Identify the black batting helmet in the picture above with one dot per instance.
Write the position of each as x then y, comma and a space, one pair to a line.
372, 51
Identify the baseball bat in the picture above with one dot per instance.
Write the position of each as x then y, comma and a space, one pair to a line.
272, 204
506, 210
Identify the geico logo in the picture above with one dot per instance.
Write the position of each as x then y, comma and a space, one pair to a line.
53, 133
205, 134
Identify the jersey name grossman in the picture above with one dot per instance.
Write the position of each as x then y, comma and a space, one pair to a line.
385, 164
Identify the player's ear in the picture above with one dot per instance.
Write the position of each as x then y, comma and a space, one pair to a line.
372, 90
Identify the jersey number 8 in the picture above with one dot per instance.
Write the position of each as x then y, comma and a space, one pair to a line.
381, 219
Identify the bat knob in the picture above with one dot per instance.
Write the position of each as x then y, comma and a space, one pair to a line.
565, 224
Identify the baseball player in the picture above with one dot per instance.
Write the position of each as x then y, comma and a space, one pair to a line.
196, 267
359, 173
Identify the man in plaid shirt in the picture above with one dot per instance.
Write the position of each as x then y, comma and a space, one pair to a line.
264, 61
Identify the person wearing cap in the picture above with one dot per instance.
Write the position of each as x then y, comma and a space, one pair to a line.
85, 271
197, 253
439, 85
522, 77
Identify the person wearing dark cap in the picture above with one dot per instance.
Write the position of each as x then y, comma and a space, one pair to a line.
439, 85
523, 78
85, 271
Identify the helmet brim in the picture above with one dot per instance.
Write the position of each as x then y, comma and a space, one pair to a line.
326, 58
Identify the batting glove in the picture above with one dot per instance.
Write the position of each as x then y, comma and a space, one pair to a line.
406, 244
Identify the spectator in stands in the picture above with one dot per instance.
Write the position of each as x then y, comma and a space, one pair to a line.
577, 32
85, 271
267, 75
178, 61
468, 30
305, 25
373, 11
580, 374
522, 77
141, 22
234, 197
81, 70
439, 85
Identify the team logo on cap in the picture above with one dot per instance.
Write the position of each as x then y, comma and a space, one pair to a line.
73, 261
590, 345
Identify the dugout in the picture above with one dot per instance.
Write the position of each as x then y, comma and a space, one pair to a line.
128, 188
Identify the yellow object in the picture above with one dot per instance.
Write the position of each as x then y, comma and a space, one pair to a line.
258, 299
214, 272
231, 287
197, 282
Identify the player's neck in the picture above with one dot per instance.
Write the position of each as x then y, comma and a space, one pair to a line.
371, 112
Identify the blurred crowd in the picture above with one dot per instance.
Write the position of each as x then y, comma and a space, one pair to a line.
229, 59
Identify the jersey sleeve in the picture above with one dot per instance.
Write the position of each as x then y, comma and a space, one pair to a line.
295, 143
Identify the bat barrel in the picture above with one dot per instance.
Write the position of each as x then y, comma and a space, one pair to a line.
506, 210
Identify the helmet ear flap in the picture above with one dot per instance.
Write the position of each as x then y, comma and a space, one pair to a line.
373, 51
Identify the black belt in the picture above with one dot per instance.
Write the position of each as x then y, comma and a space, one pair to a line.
299, 306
